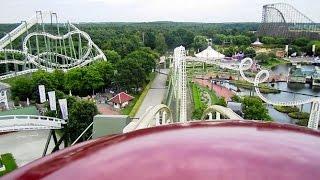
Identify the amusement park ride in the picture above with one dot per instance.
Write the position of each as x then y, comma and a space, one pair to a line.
163, 144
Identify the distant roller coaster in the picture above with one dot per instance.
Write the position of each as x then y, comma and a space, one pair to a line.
46, 45
284, 20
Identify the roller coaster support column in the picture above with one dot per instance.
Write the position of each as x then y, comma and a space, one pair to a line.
218, 116
315, 115
57, 143
157, 118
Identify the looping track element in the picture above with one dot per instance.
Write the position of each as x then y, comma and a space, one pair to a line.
50, 58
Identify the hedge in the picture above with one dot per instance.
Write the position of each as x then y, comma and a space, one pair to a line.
9, 163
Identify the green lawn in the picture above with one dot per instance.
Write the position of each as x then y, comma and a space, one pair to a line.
215, 99
198, 104
9, 163
273, 63
31, 110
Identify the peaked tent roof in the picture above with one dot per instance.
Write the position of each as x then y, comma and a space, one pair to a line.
121, 98
210, 53
257, 43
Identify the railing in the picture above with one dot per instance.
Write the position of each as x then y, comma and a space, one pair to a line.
29, 122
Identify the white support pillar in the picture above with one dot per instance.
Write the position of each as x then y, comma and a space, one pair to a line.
218, 116
210, 116
314, 115
157, 118
164, 121
4, 98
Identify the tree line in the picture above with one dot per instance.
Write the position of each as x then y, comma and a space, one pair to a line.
127, 74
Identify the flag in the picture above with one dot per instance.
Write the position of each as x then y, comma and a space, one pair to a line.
64, 108
52, 100
42, 93
313, 48
287, 48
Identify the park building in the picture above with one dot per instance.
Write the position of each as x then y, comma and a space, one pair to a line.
121, 100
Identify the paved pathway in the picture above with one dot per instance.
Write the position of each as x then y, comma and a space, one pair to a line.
26, 146
106, 109
156, 94
220, 91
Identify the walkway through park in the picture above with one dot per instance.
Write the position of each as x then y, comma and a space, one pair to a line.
156, 94
26, 146
219, 90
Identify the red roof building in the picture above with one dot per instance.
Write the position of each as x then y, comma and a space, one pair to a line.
121, 100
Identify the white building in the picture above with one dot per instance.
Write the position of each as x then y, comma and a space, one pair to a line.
121, 100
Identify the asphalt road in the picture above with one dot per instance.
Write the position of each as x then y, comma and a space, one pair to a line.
26, 146
156, 93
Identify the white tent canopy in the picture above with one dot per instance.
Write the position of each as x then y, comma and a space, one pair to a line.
210, 53
257, 43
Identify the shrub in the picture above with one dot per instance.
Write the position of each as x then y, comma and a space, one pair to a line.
299, 115
284, 109
9, 162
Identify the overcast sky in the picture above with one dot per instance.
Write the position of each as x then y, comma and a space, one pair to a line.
150, 10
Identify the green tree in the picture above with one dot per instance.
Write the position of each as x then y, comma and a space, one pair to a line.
241, 40
145, 57
250, 52
92, 79
22, 87
112, 56
253, 108
200, 42
106, 71
160, 43
58, 80
150, 39
43, 78
301, 42
80, 117
268, 40
74, 80
131, 76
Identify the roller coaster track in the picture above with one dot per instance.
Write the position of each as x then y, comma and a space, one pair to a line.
29, 122
225, 112
18, 31
262, 77
40, 60
281, 19
151, 118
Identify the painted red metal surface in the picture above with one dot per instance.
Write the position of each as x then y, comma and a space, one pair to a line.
216, 150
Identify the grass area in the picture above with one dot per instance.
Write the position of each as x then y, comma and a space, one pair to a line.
287, 110
265, 89
9, 163
198, 105
31, 110
128, 109
215, 99
196, 93
271, 63
134, 106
